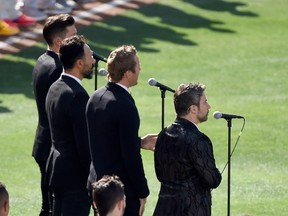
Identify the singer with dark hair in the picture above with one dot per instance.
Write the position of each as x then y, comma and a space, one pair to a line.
69, 160
113, 124
109, 196
47, 70
184, 160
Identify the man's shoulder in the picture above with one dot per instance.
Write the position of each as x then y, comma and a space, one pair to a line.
47, 66
48, 56
60, 91
112, 98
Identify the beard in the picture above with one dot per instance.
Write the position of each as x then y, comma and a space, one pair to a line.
203, 118
88, 74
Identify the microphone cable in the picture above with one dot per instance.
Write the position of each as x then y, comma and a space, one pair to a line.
236, 143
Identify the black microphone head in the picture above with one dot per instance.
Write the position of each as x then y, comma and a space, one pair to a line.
99, 57
152, 82
102, 72
217, 115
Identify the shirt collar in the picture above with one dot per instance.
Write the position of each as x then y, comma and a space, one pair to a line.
73, 77
123, 86
53, 51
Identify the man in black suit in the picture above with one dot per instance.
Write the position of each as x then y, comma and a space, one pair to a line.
184, 159
113, 124
47, 70
69, 160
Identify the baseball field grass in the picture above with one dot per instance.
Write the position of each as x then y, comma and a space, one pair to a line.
238, 48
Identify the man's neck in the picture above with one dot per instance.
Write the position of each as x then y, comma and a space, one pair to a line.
53, 49
74, 73
123, 83
191, 119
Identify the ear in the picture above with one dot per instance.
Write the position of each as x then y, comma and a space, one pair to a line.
6, 206
121, 205
57, 41
193, 108
80, 63
127, 74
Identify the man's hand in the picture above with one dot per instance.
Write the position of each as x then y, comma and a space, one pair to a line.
148, 142
142, 206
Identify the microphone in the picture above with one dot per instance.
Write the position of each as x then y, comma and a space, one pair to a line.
218, 115
102, 72
99, 57
153, 82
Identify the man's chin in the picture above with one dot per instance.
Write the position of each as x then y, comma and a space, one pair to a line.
204, 119
88, 75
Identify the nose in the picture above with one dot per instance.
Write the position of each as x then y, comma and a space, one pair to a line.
209, 106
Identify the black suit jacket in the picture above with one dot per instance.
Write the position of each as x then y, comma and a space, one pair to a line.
113, 124
69, 160
47, 70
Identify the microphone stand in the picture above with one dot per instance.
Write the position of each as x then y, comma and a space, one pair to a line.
96, 73
229, 125
163, 91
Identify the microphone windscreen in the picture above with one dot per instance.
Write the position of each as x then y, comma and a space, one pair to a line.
152, 82
102, 72
217, 114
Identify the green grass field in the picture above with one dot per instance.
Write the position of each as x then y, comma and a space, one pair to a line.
239, 49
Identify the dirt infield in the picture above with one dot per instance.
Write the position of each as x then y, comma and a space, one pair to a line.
84, 15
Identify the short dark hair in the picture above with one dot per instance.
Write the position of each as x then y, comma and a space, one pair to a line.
106, 193
55, 26
72, 49
120, 60
187, 95
4, 196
